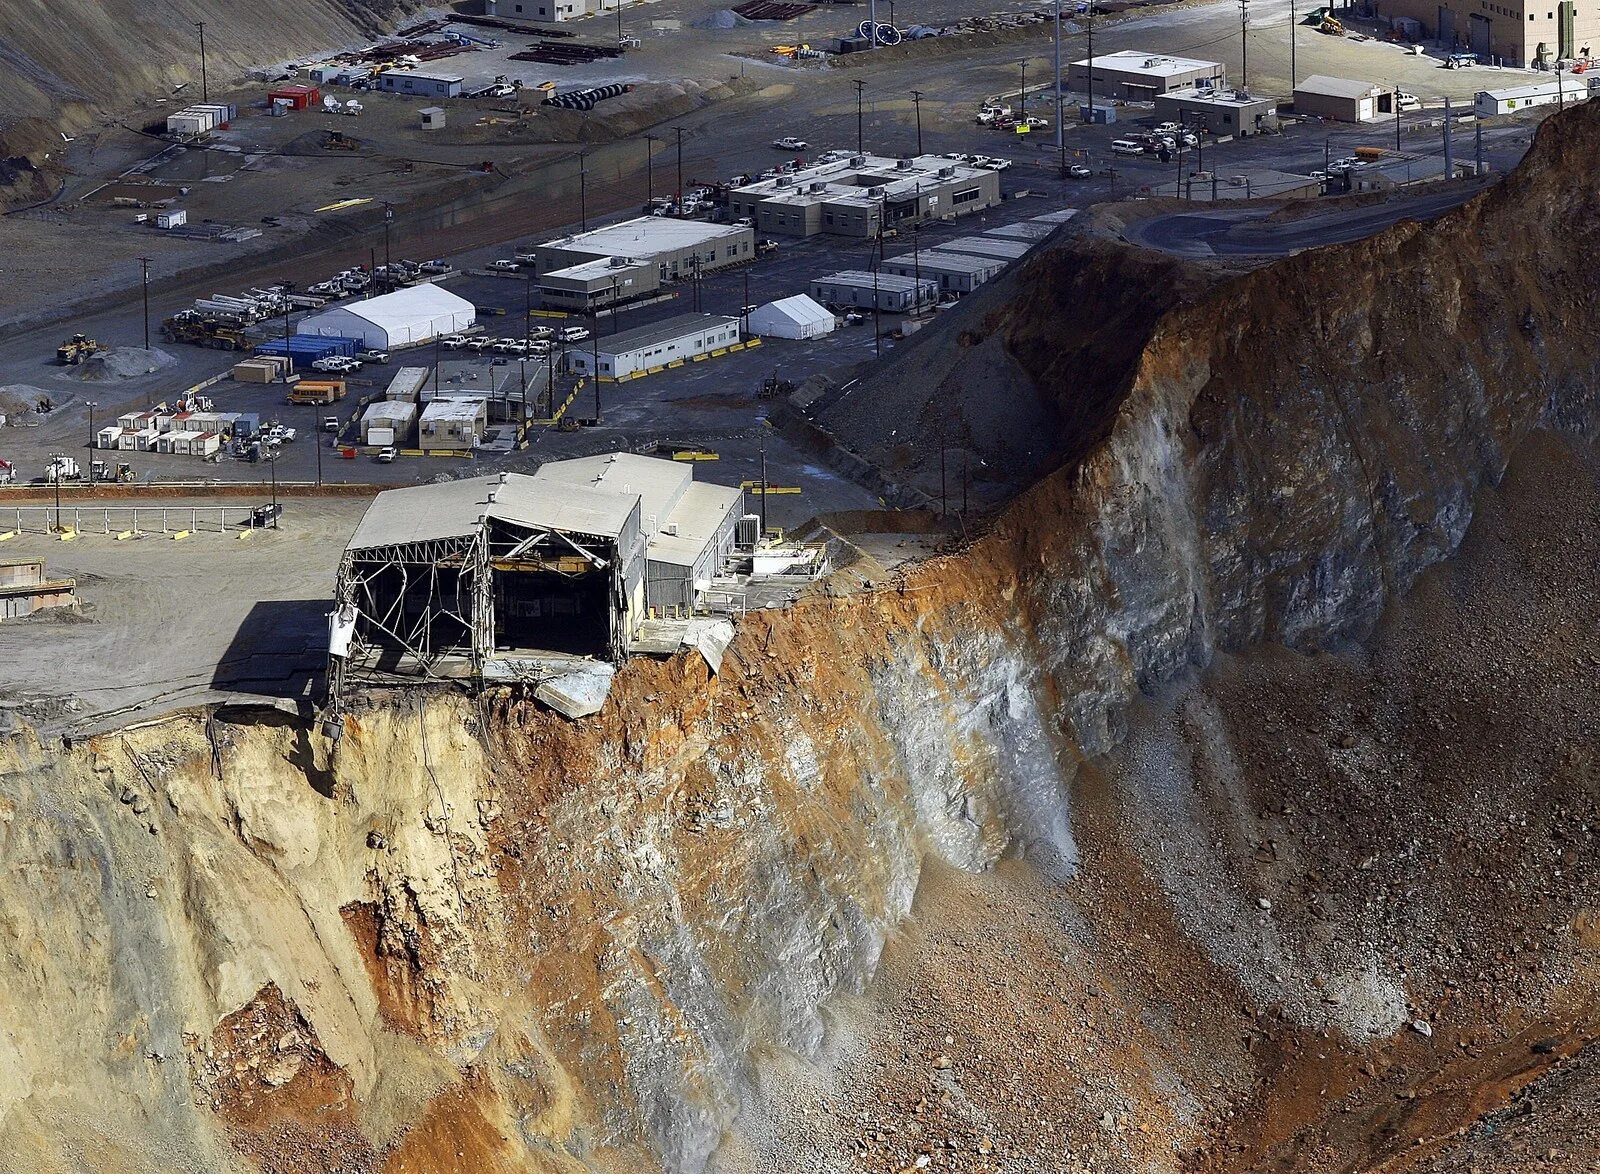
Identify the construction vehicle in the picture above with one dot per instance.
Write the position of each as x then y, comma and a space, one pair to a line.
62, 469
1331, 25
339, 141
76, 349
204, 330
102, 471
318, 391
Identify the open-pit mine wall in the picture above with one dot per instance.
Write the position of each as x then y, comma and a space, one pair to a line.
476, 936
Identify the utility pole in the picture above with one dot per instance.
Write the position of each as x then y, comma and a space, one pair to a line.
1294, 76
288, 356
944, 440
744, 311
860, 136
92, 406
1088, 24
679, 207
1061, 131
872, 20
205, 90
273, 465
1022, 93
1244, 44
145, 261
650, 142
763, 534
916, 101
57, 467
619, 24
595, 334
1396, 101
1449, 151
388, 258
1477, 148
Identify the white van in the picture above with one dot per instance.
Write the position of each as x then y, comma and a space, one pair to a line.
573, 333
1404, 101
1126, 147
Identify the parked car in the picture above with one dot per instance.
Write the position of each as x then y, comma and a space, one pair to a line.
437, 265
330, 364
453, 342
504, 266
387, 455
330, 424
479, 344
573, 333
541, 347
790, 143
766, 245
1034, 122
537, 332
1079, 171
373, 356
1126, 147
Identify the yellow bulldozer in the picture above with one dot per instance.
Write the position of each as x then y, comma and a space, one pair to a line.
76, 349
1332, 26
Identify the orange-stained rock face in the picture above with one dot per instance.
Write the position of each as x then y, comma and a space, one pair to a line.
1198, 815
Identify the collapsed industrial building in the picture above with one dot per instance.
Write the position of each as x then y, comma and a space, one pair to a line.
518, 577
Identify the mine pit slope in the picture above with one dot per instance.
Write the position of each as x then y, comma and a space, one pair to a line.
1231, 804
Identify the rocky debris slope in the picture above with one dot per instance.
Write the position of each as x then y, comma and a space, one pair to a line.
494, 939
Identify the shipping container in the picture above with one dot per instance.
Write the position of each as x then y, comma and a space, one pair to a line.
172, 218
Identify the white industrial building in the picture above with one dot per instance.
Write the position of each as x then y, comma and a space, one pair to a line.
404, 318
1341, 99
453, 424
798, 317
1565, 88
645, 347
389, 421
956, 273
1141, 77
677, 248
889, 292
572, 561
551, 11
862, 194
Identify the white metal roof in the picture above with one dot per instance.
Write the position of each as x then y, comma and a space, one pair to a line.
1572, 87
667, 330
403, 307
659, 484
800, 309
645, 236
1152, 64
454, 509
986, 246
1337, 87
696, 518
860, 279
934, 261
453, 408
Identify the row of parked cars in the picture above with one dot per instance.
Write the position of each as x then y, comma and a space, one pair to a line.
347, 365
990, 162
541, 341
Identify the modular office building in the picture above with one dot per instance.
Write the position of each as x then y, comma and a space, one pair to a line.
677, 248
1140, 77
656, 345
858, 196
423, 85
956, 273
892, 293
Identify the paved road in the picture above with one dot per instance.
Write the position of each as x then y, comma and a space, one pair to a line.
1245, 232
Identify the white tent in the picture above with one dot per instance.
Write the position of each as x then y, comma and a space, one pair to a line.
403, 318
796, 317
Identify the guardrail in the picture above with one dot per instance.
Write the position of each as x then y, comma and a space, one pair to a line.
117, 520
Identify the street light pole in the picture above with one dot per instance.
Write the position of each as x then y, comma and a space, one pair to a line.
678, 209
650, 170
57, 464
145, 261
388, 259
205, 90
583, 190
860, 135
1294, 76
1244, 44
273, 464
92, 407
1061, 130
1022, 93
916, 101
1088, 24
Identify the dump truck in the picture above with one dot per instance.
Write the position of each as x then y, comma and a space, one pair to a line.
76, 349
318, 391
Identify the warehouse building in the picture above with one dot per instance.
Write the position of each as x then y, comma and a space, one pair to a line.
590, 285
1220, 111
551, 11
798, 317
987, 246
1141, 77
892, 293
419, 83
1531, 33
857, 196
439, 579
1564, 89
1341, 100
660, 343
956, 273
452, 423
409, 316
689, 524
677, 248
